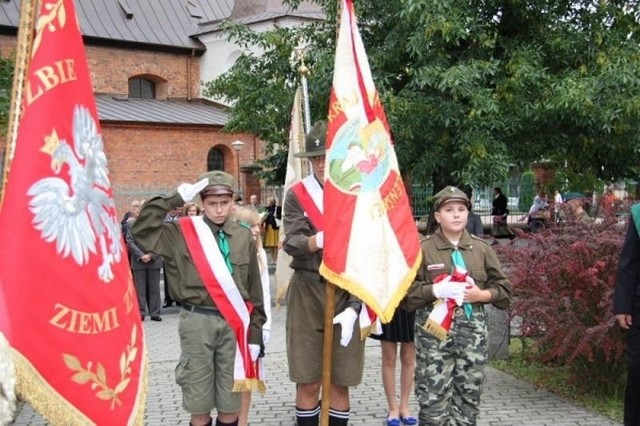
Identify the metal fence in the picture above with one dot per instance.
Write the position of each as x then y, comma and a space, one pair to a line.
519, 199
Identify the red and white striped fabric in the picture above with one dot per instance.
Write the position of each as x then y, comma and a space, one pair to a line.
223, 290
441, 317
371, 246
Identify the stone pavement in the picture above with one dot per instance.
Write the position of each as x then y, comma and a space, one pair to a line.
506, 401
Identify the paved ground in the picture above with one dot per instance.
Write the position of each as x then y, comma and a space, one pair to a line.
506, 401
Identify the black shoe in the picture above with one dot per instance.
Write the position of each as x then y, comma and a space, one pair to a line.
156, 318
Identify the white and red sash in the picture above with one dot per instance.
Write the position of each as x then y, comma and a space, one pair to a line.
218, 281
309, 194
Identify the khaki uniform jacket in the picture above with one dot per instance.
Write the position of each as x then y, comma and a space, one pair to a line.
165, 238
479, 258
299, 229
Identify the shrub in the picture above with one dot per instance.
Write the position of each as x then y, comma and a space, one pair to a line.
527, 191
563, 279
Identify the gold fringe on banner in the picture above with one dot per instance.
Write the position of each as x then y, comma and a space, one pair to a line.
33, 388
358, 290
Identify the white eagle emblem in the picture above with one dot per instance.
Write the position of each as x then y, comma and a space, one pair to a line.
75, 215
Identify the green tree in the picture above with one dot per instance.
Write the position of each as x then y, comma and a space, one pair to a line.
469, 86
6, 82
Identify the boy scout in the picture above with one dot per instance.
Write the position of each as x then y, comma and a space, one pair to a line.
306, 300
460, 273
213, 270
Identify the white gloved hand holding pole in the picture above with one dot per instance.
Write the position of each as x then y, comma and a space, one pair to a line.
254, 351
346, 319
188, 191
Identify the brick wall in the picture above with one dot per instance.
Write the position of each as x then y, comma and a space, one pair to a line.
146, 159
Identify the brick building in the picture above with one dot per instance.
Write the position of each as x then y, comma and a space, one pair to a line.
146, 59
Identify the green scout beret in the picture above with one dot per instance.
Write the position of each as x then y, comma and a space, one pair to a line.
220, 183
450, 194
314, 141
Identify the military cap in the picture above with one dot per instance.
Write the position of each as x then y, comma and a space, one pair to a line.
220, 183
315, 141
450, 194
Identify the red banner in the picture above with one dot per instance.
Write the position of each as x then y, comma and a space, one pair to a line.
371, 246
72, 317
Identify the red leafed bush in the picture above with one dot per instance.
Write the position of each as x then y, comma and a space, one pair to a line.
563, 280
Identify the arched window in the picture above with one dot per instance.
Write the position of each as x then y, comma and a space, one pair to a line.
142, 88
215, 160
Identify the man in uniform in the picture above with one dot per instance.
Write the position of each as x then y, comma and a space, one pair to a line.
306, 300
626, 308
213, 270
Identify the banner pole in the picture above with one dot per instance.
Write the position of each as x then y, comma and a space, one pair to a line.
327, 351
24, 46
329, 312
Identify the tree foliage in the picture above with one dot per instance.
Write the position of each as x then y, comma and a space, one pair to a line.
6, 82
469, 87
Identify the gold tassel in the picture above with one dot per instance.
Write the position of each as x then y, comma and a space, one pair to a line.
248, 385
435, 329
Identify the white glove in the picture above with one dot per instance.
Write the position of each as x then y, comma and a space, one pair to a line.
346, 319
265, 336
254, 350
320, 239
188, 191
449, 290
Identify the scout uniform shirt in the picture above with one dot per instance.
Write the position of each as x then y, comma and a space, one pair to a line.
165, 238
480, 260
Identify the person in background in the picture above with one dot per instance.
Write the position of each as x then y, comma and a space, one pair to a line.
500, 212
145, 267
191, 209
253, 202
271, 228
460, 273
474, 223
222, 311
626, 309
252, 220
398, 332
172, 216
539, 204
306, 300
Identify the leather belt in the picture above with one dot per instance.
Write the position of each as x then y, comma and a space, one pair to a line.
206, 310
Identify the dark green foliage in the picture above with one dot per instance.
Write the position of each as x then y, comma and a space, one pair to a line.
6, 82
470, 87
527, 191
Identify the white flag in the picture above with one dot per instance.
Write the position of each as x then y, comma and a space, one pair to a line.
296, 170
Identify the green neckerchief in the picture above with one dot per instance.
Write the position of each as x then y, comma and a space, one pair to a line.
224, 249
635, 213
458, 261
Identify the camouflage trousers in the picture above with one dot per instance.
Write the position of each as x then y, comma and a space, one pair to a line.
449, 374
